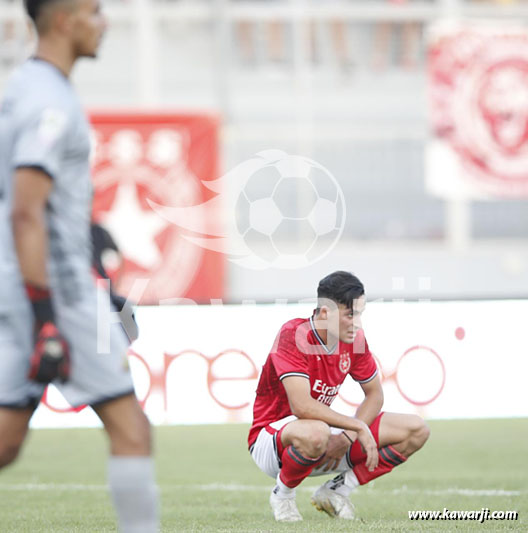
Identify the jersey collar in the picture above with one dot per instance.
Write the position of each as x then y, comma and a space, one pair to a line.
329, 351
51, 65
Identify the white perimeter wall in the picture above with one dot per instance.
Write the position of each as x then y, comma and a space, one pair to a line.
214, 353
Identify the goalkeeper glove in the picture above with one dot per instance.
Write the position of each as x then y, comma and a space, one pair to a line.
51, 354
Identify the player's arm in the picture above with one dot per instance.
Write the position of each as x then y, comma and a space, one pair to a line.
371, 405
303, 406
367, 412
32, 188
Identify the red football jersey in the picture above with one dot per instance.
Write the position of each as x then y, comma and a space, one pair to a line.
299, 351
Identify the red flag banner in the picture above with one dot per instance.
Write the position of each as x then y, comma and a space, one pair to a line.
478, 81
165, 159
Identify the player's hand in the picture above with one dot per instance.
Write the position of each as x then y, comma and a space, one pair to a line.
117, 300
51, 355
369, 446
127, 316
336, 449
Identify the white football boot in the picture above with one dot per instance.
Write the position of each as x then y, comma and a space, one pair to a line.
284, 509
326, 499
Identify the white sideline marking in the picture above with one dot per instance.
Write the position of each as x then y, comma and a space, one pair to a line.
231, 487
458, 492
51, 486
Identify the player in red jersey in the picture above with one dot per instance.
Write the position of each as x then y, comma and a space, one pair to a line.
296, 434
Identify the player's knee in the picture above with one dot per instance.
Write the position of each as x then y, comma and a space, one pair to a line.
419, 431
424, 433
318, 438
8, 453
141, 438
135, 439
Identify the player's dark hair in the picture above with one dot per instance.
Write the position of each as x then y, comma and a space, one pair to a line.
34, 8
341, 287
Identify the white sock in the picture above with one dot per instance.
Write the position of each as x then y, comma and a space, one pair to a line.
282, 491
134, 493
345, 483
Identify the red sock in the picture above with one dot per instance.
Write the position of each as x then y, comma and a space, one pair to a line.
295, 467
388, 459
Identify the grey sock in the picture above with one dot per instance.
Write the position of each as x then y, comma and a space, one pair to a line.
134, 493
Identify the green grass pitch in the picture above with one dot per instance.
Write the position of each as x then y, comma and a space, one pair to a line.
209, 483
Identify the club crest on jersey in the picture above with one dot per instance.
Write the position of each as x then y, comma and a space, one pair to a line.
344, 362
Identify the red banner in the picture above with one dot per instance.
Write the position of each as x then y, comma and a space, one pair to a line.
143, 158
478, 78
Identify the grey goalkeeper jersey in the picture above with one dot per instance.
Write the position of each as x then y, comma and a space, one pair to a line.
42, 125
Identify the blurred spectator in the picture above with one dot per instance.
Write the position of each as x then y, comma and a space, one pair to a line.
8, 47
16, 41
499, 1
9, 44
409, 42
339, 37
247, 34
247, 38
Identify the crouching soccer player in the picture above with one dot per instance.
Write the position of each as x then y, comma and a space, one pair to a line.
48, 296
295, 433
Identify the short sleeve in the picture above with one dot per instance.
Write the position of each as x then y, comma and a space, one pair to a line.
286, 358
41, 139
363, 368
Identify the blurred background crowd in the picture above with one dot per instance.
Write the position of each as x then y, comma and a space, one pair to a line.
341, 82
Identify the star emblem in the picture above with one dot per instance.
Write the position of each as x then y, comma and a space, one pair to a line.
134, 228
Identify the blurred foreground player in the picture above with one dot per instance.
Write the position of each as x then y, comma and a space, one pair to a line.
45, 211
295, 433
103, 243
